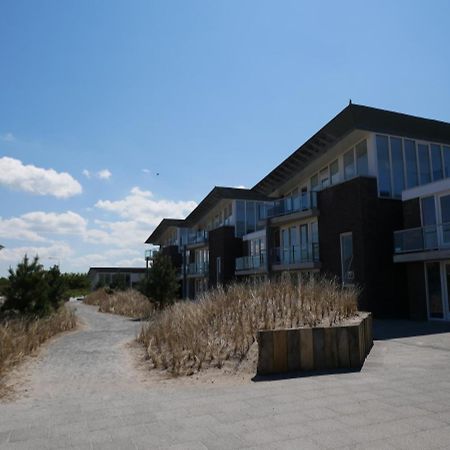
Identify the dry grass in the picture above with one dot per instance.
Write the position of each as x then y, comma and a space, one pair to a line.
222, 325
129, 303
21, 336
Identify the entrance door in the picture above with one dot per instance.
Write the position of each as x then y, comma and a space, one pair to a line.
434, 291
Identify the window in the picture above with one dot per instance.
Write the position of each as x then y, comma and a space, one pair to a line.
240, 218
424, 164
447, 161
397, 166
314, 182
434, 293
384, 166
334, 171
250, 217
436, 162
347, 258
428, 211
412, 176
362, 163
324, 177
349, 164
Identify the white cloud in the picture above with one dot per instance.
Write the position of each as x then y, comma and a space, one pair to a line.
36, 180
86, 173
59, 250
33, 225
146, 170
7, 137
104, 174
141, 205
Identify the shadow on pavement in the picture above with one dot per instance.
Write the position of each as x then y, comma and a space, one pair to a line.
393, 329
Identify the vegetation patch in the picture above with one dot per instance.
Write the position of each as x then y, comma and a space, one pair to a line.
221, 327
130, 303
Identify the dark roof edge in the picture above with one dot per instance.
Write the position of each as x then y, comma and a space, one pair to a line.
163, 226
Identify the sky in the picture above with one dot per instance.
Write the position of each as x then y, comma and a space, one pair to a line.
115, 114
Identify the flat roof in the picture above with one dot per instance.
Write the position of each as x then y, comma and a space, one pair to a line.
116, 270
353, 117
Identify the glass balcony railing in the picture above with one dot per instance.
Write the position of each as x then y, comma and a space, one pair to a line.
289, 205
150, 254
295, 254
250, 262
198, 268
197, 237
433, 237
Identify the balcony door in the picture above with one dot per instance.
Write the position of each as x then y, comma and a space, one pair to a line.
444, 205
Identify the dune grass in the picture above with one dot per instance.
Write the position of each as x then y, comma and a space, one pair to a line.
130, 303
223, 324
21, 336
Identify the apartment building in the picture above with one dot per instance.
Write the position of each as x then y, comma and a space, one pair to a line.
332, 207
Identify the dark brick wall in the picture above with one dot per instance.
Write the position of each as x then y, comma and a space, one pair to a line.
411, 213
223, 244
354, 207
173, 253
417, 291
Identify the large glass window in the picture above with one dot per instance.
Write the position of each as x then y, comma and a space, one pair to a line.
397, 166
362, 163
347, 258
424, 164
384, 166
349, 164
324, 177
446, 151
240, 218
334, 171
314, 182
436, 162
250, 217
445, 219
428, 211
412, 176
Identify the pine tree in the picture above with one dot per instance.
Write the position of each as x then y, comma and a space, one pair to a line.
161, 285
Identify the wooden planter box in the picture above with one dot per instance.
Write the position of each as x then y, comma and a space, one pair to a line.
318, 348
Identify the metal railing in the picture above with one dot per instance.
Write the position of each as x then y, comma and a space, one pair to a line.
197, 237
289, 205
250, 262
295, 254
432, 237
198, 268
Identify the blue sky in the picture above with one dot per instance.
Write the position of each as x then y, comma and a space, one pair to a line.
204, 93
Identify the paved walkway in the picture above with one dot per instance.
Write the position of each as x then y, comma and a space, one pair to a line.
83, 392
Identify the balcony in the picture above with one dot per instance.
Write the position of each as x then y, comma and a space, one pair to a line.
295, 257
198, 269
423, 243
251, 263
197, 237
150, 254
295, 204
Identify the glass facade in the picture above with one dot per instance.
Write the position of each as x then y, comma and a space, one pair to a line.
384, 166
349, 164
424, 164
334, 172
405, 163
434, 293
362, 162
397, 166
412, 174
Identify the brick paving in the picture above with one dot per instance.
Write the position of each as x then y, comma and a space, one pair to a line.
83, 392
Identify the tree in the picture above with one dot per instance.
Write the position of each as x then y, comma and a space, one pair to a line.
33, 290
28, 289
160, 285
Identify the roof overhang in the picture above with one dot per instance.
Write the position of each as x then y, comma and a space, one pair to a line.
163, 226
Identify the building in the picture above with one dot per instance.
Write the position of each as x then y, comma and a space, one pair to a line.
110, 276
332, 207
